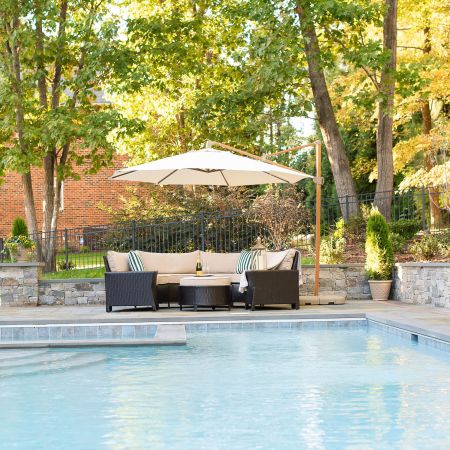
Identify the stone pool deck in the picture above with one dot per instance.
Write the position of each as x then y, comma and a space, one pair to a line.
424, 320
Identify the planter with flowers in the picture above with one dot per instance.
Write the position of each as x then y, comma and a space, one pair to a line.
20, 248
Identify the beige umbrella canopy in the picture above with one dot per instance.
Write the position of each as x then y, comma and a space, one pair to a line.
210, 167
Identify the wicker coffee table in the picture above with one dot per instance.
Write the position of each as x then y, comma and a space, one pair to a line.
208, 291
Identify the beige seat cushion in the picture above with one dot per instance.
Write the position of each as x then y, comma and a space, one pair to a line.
219, 262
205, 281
168, 263
234, 277
118, 262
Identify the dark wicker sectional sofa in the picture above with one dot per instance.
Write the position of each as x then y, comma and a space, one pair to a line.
159, 284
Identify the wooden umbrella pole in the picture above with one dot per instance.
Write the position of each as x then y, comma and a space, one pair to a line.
292, 149
318, 207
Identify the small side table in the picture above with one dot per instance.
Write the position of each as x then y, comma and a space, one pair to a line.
210, 291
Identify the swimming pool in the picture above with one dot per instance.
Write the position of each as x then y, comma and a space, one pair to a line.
230, 389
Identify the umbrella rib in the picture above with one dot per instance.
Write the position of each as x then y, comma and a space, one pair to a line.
167, 176
122, 174
272, 175
223, 176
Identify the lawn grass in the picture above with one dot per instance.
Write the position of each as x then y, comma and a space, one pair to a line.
97, 272
82, 260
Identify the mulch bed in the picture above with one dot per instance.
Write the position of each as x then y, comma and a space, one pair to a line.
354, 253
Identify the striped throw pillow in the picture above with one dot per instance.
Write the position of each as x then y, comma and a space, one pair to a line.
245, 261
135, 262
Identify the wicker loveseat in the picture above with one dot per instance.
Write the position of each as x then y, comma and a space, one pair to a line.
279, 286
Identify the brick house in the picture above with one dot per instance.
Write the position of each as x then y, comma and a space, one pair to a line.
80, 199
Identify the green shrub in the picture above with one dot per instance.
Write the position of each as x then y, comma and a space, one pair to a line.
427, 248
398, 242
84, 249
19, 227
62, 265
355, 228
379, 254
406, 227
332, 250
339, 230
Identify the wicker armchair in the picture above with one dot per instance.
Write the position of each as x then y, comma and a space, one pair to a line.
272, 287
130, 288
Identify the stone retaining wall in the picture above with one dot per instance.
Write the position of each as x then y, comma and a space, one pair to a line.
19, 283
422, 283
72, 292
347, 280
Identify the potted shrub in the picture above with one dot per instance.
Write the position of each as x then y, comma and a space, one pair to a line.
19, 246
379, 256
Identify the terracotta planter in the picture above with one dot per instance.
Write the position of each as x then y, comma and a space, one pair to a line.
23, 254
380, 289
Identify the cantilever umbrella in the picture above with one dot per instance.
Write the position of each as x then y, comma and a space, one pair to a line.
209, 166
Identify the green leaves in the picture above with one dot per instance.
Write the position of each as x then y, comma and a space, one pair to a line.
64, 61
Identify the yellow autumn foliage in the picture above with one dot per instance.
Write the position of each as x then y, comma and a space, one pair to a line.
438, 176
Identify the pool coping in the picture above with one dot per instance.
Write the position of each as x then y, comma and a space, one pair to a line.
243, 316
384, 317
166, 334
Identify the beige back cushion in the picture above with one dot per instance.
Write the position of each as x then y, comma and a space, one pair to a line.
219, 262
169, 262
118, 262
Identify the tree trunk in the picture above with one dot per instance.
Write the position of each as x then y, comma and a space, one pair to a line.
50, 160
30, 212
340, 166
385, 182
427, 125
16, 78
433, 192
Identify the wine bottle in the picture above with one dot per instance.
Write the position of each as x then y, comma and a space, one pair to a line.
198, 268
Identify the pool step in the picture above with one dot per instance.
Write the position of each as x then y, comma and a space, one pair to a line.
55, 362
36, 359
8, 355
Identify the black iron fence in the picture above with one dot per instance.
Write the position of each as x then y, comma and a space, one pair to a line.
429, 206
229, 231
84, 247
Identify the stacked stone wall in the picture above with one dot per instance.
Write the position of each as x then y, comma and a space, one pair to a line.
347, 280
19, 284
72, 292
422, 283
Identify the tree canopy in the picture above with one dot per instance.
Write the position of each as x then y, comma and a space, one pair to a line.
244, 72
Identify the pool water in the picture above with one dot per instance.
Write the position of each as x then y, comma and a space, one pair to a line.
254, 389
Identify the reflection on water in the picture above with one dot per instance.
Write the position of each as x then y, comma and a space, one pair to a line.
256, 389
